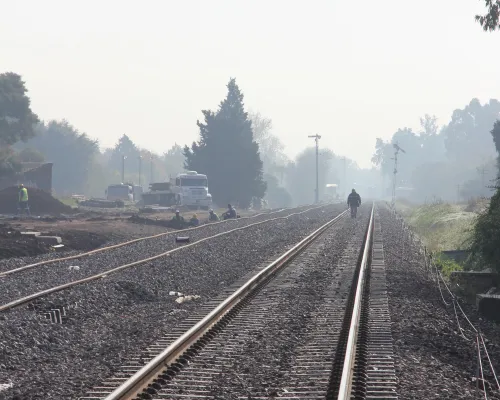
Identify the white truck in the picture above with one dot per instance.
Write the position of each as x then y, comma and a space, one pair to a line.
124, 191
191, 190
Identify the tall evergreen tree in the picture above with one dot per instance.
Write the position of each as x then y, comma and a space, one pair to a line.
228, 153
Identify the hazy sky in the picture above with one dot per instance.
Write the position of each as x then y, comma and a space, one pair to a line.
348, 70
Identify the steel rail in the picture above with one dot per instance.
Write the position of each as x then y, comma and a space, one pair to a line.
26, 299
350, 355
136, 383
118, 245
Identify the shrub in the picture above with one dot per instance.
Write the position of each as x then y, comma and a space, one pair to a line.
485, 243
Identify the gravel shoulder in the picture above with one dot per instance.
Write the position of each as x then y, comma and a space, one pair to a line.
433, 361
127, 311
46, 276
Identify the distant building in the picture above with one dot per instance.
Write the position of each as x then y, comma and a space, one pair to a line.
36, 175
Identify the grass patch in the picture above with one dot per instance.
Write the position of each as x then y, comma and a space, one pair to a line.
442, 226
446, 265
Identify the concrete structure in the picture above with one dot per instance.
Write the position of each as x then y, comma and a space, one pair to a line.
37, 175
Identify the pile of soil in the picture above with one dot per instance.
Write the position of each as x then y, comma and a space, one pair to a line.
13, 244
40, 202
82, 240
167, 223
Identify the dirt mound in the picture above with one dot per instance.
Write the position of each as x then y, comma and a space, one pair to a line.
167, 223
13, 244
40, 202
82, 240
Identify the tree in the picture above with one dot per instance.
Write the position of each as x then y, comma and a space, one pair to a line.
125, 147
276, 195
382, 156
174, 160
429, 125
302, 175
485, 243
270, 146
490, 20
495, 132
228, 153
16, 117
467, 136
29, 154
71, 152
9, 161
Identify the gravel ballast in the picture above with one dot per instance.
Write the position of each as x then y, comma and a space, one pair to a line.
44, 277
120, 237
433, 361
119, 315
266, 350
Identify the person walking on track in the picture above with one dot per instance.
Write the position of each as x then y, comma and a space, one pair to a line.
354, 201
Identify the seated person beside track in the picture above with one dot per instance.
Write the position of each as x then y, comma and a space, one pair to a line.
194, 221
230, 213
212, 216
178, 220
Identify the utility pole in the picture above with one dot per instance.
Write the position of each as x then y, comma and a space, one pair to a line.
123, 168
458, 193
140, 169
316, 139
394, 183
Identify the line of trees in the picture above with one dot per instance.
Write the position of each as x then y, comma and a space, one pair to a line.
485, 242
79, 165
456, 160
237, 149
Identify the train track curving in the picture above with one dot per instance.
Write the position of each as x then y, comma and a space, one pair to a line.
314, 323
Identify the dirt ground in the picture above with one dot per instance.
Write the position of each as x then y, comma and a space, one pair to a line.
85, 230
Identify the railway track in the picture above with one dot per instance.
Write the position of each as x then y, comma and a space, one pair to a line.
312, 324
106, 272
27, 267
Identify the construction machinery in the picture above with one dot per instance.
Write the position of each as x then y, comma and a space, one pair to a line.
160, 194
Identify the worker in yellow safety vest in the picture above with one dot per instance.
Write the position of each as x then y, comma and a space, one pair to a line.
23, 200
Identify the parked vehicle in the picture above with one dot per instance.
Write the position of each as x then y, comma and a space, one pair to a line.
191, 189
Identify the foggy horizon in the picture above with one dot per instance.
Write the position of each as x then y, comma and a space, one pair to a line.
149, 71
